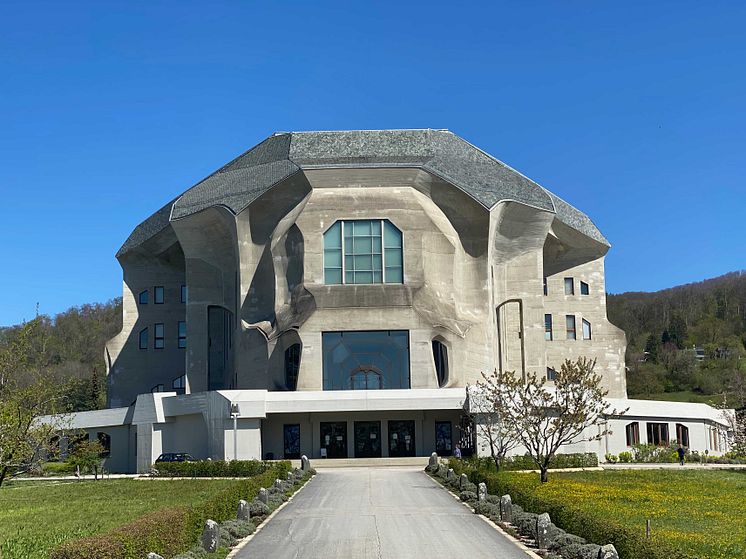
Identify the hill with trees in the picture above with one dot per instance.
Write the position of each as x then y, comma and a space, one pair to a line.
686, 342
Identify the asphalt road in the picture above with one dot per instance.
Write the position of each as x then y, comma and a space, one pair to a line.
382, 513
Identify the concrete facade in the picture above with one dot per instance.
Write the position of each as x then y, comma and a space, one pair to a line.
479, 241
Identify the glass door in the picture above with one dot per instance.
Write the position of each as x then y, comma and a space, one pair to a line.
401, 438
291, 440
333, 439
367, 439
443, 438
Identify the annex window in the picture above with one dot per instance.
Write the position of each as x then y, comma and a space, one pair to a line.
143, 297
158, 337
440, 355
551, 374
584, 288
144, 338
586, 330
179, 384
546, 290
158, 296
570, 323
182, 335
633, 433
569, 286
548, 335
292, 366
183, 293
658, 434
157, 388
363, 251
682, 434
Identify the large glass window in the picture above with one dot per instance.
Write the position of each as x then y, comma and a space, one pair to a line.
291, 441
633, 433
658, 434
292, 366
366, 360
682, 434
440, 355
363, 251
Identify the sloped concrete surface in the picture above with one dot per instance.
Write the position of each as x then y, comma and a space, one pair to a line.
385, 513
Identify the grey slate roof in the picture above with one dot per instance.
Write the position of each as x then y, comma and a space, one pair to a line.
440, 152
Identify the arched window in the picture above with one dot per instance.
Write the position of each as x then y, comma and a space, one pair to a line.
682, 434
363, 251
105, 440
365, 378
633, 433
292, 366
440, 356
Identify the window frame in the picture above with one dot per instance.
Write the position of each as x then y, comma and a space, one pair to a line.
585, 323
146, 293
182, 337
658, 430
572, 333
548, 328
155, 295
571, 285
551, 374
682, 435
159, 338
184, 293
584, 288
343, 252
440, 357
632, 433
546, 286
145, 332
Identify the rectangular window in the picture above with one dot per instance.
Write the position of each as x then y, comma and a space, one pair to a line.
682, 434
658, 434
158, 337
569, 286
584, 288
158, 295
633, 433
144, 338
548, 327
182, 335
546, 291
363, 251
551, 374
143, 297
570, 322
586, 330
183, 293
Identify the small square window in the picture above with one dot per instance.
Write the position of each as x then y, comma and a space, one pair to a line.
183, 293
569, 286
182, 335
143, 297
158, 338
584, 288
551, 374
158, 295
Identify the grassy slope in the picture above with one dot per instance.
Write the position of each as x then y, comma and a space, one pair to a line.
702, 513
36, 517
683, 396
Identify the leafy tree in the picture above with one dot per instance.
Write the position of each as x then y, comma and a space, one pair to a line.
546, 418
27, 392
484, 406
652, 346
87, 455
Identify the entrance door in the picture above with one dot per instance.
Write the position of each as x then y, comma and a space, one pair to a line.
334, 438
401, 438
367, 439
443, 438
291, 441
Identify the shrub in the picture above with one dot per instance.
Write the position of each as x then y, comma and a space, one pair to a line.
467, 496
625, 456
212, 468
168, 531
611, 458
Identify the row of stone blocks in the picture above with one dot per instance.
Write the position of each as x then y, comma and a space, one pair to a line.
543, 521
211, 531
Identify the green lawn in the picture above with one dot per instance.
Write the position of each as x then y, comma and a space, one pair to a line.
35, 517
701, 513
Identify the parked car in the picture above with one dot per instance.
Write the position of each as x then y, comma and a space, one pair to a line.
175, 457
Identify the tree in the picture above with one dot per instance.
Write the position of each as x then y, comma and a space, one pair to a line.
484, 404
546, 418
87, 456
26, 393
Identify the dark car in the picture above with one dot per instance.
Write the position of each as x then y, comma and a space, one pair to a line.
175, 457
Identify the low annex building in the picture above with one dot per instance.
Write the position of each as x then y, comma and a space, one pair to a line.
333, 294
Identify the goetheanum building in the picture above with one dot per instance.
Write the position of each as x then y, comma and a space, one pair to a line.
338, 291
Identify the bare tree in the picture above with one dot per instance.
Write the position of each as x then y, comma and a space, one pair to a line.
484, 405
546, 418
733, 412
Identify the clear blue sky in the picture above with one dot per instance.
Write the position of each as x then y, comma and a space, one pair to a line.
633, 112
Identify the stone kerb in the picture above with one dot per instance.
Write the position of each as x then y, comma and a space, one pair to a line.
506, 509
243, 510
210, 536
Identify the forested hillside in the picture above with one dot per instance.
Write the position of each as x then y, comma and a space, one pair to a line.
71, 345
690, 338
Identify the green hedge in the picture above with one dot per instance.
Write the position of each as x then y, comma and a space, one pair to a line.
169, 531
521, 488
514, 463
212, 468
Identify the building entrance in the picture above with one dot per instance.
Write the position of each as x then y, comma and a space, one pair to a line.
334, 439
401, 438
367, 439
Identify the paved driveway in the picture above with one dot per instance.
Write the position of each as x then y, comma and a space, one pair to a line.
382, 513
